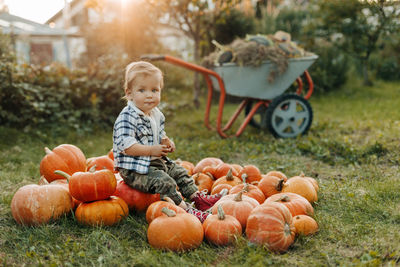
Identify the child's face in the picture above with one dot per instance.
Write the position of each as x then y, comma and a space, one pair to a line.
146, 92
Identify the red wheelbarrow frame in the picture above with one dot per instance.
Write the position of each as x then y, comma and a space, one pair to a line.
207, 73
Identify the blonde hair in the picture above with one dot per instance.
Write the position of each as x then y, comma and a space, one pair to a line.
139, 69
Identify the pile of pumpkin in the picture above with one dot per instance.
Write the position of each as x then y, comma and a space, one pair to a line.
269, 208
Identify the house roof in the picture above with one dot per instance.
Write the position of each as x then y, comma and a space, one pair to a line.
60, 12
20, 26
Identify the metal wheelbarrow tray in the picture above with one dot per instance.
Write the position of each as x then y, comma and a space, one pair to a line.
266, 104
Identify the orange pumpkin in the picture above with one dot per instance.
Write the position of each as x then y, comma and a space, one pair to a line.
210, 161
252, 172
91, 186
175, 231
229, 178
237, 167
154, 210
294, 202
237, 205
67, 158
223, 169
271, 225
38, 204
271, 185
278, 174
187, 165
110, 154
305, 225
301, 186
218, 188
203, 181
249, 190
100, 163
64, 183
221, 229
136, 199
102, 212
311, 180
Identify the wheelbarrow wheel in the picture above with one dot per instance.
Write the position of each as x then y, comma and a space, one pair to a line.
289, 115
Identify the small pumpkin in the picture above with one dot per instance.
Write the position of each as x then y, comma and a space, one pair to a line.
38, 204
271, 185
302, 187
223, 169
100, 163
237, 205
271, 225
249, 190
203, 181
278, 174
305, 225
91, 186
154, 210
311, 180
136, 199
237, 167
294, 202
252, 172
229, 178
102, 212
218, 188
175, 231
187, 165
221, 229
209, 161
67, 158
110, 154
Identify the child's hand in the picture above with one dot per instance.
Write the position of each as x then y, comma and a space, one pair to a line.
169, 143
159, 150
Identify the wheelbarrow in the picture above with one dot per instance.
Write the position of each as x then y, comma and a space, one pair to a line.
266, 104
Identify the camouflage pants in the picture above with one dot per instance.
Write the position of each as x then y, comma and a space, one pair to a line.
162, 178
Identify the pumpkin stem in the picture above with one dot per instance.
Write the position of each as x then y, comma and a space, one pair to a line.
284, 198
238, 196
168, 212
279, 186
229, 176
221, 213
63, 174
302, 174
93, 168
244, 177
47, 150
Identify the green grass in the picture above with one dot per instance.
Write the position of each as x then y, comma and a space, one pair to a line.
352, 150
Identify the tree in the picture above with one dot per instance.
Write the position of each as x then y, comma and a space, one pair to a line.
195, 18
356, 26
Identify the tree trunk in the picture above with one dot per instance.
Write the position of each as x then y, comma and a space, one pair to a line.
366, 80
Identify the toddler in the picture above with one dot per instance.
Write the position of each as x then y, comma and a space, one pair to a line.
141, 146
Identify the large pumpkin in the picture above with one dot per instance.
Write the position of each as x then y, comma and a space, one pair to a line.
91, 186
102, 212
38, 204
136, 199
294, 202
271, 225
64, 183
154, 210
175, 231
67, 158
229, 178
237, 205
221, 229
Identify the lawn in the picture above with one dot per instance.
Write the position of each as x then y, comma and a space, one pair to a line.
352, 149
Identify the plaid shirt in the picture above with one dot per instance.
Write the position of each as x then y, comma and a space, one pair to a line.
133, 127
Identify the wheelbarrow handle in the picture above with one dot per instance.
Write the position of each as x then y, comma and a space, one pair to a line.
152, 57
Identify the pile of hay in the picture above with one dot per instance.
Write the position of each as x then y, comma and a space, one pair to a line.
256, 49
